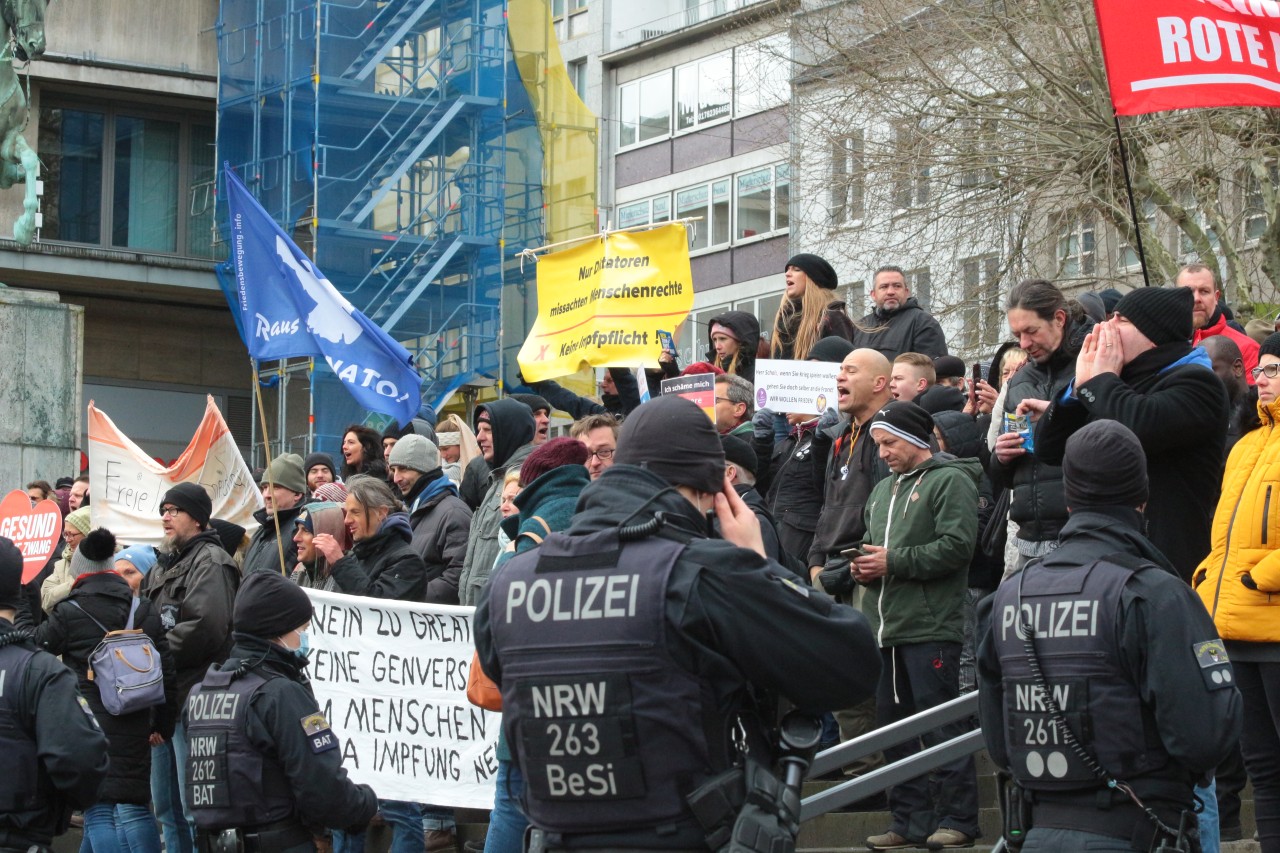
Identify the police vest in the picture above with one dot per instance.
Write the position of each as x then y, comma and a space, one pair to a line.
1074, 616
229, 783
23, 781
609, 729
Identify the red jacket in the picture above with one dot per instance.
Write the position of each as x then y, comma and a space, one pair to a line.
1248, 346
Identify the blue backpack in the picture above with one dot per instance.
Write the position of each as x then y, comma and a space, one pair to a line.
126, 667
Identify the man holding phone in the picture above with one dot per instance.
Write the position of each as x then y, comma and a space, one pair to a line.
915, 570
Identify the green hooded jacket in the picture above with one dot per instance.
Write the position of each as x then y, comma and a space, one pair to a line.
930, 540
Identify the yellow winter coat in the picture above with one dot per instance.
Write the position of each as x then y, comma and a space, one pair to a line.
1246, 539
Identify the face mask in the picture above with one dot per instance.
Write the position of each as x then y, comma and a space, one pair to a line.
304, 646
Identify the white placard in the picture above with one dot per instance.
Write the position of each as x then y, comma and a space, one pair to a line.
804, 387
391, 679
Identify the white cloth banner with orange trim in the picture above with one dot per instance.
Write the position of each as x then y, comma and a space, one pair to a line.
126, 485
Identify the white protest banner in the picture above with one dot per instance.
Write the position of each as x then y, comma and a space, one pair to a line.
803, 387
391, 679
126, 485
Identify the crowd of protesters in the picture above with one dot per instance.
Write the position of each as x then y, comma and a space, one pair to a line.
927, 483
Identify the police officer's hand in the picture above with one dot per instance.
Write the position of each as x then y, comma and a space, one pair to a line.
738, 523
874, 565
329, 547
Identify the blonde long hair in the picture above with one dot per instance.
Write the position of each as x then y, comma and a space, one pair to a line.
812, 308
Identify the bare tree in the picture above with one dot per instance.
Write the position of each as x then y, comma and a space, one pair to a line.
964, 128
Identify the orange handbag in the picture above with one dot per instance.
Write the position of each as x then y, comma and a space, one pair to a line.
481, 691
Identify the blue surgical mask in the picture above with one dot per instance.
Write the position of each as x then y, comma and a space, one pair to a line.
304, 646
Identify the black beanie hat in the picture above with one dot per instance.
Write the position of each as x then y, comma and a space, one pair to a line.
269, 605
948, 365
833, 348
192, 499
1104, 466
673, 438
738, 452
315, 459
906, 420
1163, 314
1110, 298
10, 575
1270, 346
819, 271
535, 402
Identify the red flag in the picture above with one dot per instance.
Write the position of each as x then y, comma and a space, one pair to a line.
1181, 54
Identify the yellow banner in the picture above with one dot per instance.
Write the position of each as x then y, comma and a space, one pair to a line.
604, 301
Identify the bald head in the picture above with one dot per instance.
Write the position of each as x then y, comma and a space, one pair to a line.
1228, 363
863, 383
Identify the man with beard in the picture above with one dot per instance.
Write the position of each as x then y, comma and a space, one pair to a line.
194, 589
440, 519
284, 491
898, 324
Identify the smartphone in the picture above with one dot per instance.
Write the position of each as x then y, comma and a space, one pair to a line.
977, 374
854, 552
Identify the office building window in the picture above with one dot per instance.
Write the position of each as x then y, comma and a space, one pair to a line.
704, 91
122, 179
644, 109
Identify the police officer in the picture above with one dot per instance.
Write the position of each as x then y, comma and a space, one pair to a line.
632, 650
55, 756
1105, 690
265, 769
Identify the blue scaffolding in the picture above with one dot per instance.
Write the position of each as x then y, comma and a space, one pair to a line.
394, 140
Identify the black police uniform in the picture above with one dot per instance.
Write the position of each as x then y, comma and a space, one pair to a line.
55, 755
262, 759
1131, 658
628, 653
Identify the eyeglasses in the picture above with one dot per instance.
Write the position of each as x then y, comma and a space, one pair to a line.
602, 455
1271, 371
723, 400
169, 511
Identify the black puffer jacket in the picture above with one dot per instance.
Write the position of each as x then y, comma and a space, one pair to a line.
384, 565
1038, 505
746, 328
906, 329
70, 632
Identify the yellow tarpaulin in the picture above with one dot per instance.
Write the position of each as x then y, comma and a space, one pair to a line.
603, 302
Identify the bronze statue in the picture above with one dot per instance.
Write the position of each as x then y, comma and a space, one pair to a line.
23, 40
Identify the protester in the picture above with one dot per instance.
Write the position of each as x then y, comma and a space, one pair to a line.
1238, 582
362, 453
541, 415
381, 562
193, 587
897, 324
78, 496
735, 405
1139, 370
505, 431
920, 533
57, 586
317, 519
1242, 397
320, 469
913, 374
100, 601
284, 491
619, 395
810, 310
600, 435
740, 466
1208, 316
735, 338
39, 490
439, 518
133, 564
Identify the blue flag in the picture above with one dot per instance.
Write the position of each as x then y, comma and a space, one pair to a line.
289, 309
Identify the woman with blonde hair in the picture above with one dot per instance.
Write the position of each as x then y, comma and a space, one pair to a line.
810, 311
